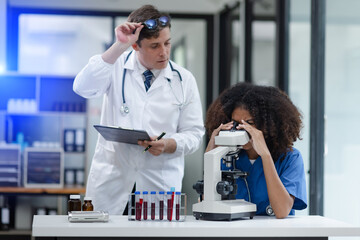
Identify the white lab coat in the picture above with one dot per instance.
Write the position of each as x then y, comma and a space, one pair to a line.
116, 166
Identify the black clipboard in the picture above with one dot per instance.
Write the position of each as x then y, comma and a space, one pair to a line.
118, 134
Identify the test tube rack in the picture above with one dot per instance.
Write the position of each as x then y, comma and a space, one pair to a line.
164, 207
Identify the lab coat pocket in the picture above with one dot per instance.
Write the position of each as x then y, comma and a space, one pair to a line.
101, 165
109, 146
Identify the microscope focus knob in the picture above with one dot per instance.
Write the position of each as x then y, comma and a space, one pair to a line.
199, 187
224, 188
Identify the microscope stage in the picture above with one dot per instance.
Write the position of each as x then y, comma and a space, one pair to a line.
224, 210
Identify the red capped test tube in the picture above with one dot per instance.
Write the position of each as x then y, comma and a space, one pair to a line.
153, 197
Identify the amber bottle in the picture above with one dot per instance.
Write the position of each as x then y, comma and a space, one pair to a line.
87, 206
74, 204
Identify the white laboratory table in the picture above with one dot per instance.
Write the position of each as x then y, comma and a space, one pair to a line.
260, 227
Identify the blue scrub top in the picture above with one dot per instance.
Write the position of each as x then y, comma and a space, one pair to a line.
291, 173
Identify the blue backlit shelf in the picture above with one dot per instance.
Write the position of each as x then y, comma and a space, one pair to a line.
42, 113
50, 93
39, 107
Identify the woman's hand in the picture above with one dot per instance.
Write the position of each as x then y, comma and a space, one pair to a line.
257, 139
280, 200
128, 32
211, 145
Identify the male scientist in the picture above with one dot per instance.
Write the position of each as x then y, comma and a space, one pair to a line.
141, 89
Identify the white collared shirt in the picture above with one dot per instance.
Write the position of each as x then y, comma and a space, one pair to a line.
139, 67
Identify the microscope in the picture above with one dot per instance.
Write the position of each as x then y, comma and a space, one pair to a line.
219, 186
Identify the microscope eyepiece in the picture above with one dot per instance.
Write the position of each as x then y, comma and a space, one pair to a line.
235, 124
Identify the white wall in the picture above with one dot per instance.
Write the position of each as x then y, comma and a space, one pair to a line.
194, 32
342, 60
299, 75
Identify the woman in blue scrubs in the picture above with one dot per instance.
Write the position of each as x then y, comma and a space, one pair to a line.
276, 176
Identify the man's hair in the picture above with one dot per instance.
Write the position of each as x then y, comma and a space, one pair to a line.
144, 13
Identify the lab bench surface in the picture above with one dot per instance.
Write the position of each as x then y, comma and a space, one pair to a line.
260, 227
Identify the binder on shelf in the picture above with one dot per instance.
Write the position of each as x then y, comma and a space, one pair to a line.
69, 140
80, 177
74, 176
80, 140
10, 165
69, 176
74, 140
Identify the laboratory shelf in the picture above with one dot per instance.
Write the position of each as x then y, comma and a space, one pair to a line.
68, 189
43, 113
39, 109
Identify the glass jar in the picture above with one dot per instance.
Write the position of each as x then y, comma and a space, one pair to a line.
74, 204
88, 206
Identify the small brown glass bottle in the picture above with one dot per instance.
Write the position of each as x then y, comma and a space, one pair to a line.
87, 206
74, 204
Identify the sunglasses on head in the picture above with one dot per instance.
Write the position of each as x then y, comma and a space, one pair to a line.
152, 24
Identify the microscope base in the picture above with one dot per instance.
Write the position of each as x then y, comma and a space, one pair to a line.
222, 216
224, 210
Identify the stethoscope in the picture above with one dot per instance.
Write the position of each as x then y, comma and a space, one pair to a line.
124, 109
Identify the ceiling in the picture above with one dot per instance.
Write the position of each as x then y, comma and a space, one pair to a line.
173, 6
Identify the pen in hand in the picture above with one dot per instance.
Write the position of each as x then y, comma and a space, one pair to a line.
157, 139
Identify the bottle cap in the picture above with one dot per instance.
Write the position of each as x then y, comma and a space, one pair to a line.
137, 193
169, 193
161, 192
153, 192
87, 198
74, 196
145, 192
178, 193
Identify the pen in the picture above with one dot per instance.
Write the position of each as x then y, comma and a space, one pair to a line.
157, 139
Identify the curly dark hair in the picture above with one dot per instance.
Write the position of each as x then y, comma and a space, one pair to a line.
144, 13
272, 110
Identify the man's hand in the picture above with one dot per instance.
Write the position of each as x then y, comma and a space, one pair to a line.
126, 35
128, 32
164, 145
157, 146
